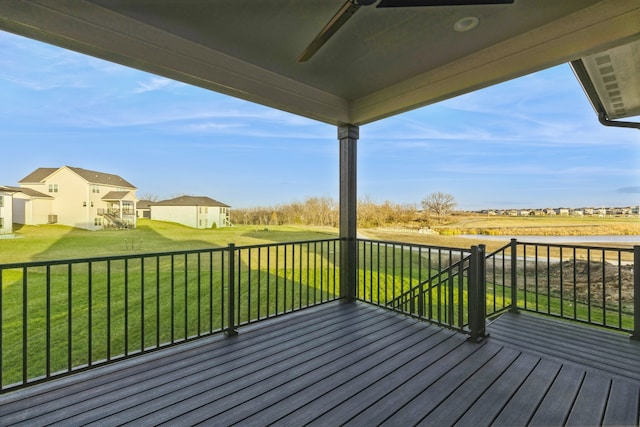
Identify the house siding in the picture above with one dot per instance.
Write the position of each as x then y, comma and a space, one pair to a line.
6, 212
186, 215
28, 210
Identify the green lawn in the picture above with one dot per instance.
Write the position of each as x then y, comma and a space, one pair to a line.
51, 242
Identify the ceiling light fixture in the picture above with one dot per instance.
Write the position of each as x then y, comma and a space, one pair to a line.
466, 24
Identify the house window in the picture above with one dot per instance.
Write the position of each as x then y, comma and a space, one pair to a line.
84, 204
1, 201
91, 204
1, 222
206, 210
97, 221
95, 188
53, 188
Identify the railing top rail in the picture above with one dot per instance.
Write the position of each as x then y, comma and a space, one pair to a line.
572, 246
294, 242
416, 245
432, 278
497, 251
45, 263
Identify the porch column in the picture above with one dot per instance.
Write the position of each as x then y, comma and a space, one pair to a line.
348, 137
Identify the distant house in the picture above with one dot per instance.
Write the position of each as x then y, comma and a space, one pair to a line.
76, 197
192, 211
6, 210
143, 209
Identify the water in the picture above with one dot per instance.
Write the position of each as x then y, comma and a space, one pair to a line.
560, 239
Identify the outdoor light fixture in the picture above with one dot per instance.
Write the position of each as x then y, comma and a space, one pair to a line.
466, 24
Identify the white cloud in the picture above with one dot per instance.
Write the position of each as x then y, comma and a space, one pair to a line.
152, 84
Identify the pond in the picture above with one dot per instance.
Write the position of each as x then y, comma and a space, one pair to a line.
560, 239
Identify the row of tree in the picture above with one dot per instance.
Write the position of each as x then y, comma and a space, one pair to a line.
323, 211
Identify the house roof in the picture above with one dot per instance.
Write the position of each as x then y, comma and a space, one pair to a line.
190, 201
381, 62
38, 175
7, 189
143, 204
30, 192
92, 177
116, 195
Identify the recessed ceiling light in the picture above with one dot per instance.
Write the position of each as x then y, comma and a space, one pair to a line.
466, 24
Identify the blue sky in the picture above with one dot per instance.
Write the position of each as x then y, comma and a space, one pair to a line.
531, 142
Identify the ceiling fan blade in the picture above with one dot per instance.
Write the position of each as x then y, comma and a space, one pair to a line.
410, 3
338, 20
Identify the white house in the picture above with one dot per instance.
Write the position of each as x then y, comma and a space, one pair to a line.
76, 197
192, 211
6, 210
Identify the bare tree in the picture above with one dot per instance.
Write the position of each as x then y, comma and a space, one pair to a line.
439, 204
148, 196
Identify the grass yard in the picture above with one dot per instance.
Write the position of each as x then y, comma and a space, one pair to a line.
55, 242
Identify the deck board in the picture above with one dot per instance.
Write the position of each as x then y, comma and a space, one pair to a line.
353, 364
569, 342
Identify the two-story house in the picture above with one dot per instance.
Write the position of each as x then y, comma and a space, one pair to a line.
76, 197
192, 211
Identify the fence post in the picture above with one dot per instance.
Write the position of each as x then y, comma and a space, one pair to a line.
636, 293
476, 294
514, 276
231, 299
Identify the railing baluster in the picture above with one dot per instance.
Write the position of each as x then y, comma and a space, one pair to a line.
259, 281
158, 301
25, 320
589, 285
561, 268
142, 341
126, 306
186, 296
89, 314
48, 320
109, 310
199, 285
636, 293
173, 302
1, 329
231, 330
604, 290
69, 318
249, 283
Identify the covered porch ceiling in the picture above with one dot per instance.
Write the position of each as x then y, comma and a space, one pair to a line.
381, 62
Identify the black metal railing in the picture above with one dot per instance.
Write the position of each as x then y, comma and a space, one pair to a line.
593, 285
589, 284
427, 282
59, 317
63, 316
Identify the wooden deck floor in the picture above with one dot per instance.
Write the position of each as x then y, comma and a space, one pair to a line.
337, 364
